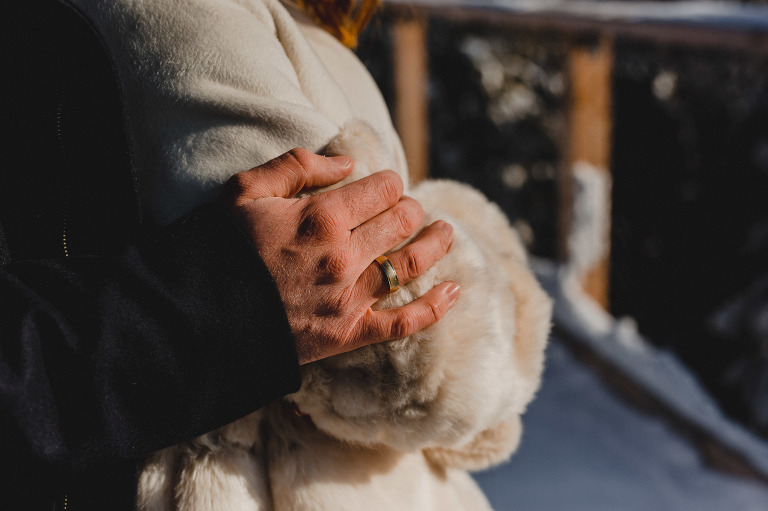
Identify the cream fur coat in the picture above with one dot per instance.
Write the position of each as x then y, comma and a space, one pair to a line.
213, 87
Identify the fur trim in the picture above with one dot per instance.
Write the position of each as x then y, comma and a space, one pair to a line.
490, 447
423, 391
155, 488
223, 480
311, 471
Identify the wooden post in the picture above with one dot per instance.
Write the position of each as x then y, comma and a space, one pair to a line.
411, 102
590, 70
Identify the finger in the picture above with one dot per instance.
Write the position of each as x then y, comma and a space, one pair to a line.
288, 174
386, 230
410, 261
384, 325
363, 199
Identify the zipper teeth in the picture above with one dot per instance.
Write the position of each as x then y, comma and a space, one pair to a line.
66, 498
66, 188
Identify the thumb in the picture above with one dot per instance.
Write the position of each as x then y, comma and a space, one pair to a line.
288, 174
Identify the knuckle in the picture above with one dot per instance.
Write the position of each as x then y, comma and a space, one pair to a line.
240, 189
236, 186
404, 325
437, 310
390, 187
295, 166
309, 226
318, 221
299, 157
406, 218
300, 153
332, 221
444, 240
334, 266
412, 263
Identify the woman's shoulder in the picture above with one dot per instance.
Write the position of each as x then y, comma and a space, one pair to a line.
165, 25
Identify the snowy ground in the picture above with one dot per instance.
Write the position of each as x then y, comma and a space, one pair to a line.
657, 371
585, 449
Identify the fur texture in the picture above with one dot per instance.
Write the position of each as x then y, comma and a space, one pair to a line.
217, 86
387, 426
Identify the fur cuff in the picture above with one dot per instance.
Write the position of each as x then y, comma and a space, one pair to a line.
490, 447
471, 372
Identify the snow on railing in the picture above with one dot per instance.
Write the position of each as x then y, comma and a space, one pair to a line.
691, 12
694, 22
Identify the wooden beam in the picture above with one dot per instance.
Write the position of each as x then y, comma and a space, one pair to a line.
590, 69
411, 103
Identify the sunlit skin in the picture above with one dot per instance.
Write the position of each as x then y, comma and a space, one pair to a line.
321, 249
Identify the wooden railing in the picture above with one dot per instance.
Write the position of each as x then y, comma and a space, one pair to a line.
592, 27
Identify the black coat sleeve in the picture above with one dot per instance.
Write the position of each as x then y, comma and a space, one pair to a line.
108, 358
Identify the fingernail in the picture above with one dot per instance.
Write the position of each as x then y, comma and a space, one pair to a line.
447, 228
452, 292
341, 161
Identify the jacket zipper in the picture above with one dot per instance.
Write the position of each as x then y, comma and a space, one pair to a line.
65, 221
65, 498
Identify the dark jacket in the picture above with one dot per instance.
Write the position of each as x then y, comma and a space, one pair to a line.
116, 338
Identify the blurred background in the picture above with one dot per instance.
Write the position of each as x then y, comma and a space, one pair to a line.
628, 144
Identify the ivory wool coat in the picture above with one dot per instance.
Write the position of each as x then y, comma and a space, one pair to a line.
213, 87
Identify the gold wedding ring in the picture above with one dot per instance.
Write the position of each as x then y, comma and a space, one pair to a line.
389, 273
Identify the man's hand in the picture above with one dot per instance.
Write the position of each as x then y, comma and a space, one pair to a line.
321, 250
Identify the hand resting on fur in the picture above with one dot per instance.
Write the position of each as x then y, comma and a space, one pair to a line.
448, 397
217, 86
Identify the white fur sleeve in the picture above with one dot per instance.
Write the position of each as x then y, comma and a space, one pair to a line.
459, 386
214, 87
